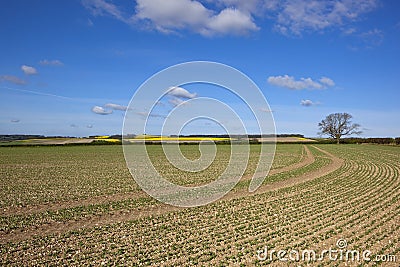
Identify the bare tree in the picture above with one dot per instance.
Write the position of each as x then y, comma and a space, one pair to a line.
337, 125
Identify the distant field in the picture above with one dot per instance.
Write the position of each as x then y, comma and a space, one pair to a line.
79, 205
147, 138
48, 141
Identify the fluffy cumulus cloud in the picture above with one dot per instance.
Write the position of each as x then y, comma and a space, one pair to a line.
28, 70
235, 17
54, 62
304, 83
307, 103
231, 20
171, 16
178, 95
12, 79
101, 111
180, 92
168, 15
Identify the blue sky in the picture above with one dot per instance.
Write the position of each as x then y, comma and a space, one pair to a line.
71, 67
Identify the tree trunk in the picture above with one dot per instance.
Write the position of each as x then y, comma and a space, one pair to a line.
337, 140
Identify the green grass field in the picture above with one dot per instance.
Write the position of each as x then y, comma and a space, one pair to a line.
79, 205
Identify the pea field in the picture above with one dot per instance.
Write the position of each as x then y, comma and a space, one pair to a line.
79, 205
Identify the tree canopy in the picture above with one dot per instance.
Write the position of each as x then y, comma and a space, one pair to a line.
337, 125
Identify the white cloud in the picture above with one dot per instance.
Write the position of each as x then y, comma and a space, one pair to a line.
102, 7
304, 83
28, 70
366, 39
231, 21
327, 81
116, 107
101, 111
55, 62
174, 16
307, 103
350, 31
236, 17
180, 92
108, 108
167, 16
12, 79
170, 16
297, 16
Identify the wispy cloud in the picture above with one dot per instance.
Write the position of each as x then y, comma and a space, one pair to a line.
235, 17
304, 83
39, 93
116, 106
101, 111
369, 39
267, 110
108, 108
90, 23
147, 114
28, 70
102, 7
327, 81
296, 17
350, 31
372, 38
12, 79
176, 101
54, 62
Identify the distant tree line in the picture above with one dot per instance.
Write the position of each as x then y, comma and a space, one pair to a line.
241, 135
373, 140
15, 137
